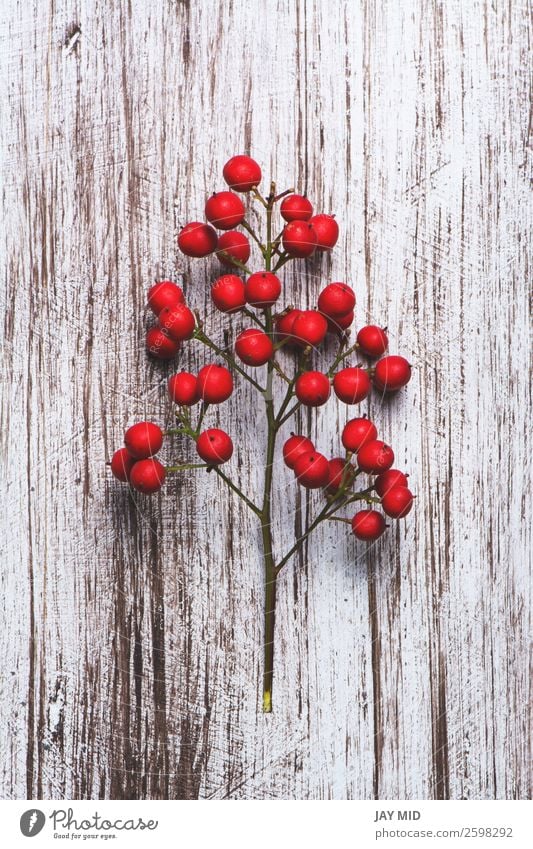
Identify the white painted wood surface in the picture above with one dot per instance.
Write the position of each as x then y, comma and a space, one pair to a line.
131, 632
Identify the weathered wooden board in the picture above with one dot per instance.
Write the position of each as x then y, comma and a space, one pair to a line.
131, 630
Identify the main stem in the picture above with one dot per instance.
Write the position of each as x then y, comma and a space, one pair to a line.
274, 422
270, 566
266, 512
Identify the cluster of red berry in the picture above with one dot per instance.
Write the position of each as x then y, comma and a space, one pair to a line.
303, 233
176, 322
136, 463
313, 471
254, 293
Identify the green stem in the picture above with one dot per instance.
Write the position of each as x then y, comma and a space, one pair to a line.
270, 621
201, 336
341, 356
270, 570
290, 413
182, 466
258, 196
254, 236
268, 251
327, 512
299, 542
276, 366
283, 260
203, 411
237, 491
282, 343
234, 262
302, 359
186, 427
253, 316
276, 243
283, 194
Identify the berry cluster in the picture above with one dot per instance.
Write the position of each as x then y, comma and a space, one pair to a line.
337, 476
271, 337
136, 463
176, 322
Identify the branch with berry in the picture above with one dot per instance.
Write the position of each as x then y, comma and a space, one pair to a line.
259, 356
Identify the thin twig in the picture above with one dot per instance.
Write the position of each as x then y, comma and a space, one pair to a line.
299, 542
236, 489
182, 466
280, 371
258, 196
203, 411
327, 512
290, 413
283, 260
341, 356
235, 262
250, 314
302, 359
283, 194
201, 336
252, 233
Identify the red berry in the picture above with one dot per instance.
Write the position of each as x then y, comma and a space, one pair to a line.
372, 340
178, 322
183, 388
337, 299
294, 447
310, 327
148, 476
392, 373
263, 289
215, 384
341, 323
242, 173
233, 246
164, 294
299, 238
285, 324
368, 525
387, 480
375, 456
228, 293
224, 210
143, 440
312, 470
160, 345
214, 446
326, 230
339, 471
254, 347
351, 385
197, 239
296, 208
121, 464
357, 432
397, 502
312, 388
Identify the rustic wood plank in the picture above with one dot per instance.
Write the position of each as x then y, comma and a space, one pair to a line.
131, 630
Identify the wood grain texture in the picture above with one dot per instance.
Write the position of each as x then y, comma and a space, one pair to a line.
131, 629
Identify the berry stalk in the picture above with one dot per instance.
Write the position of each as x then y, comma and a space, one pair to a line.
270, 570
